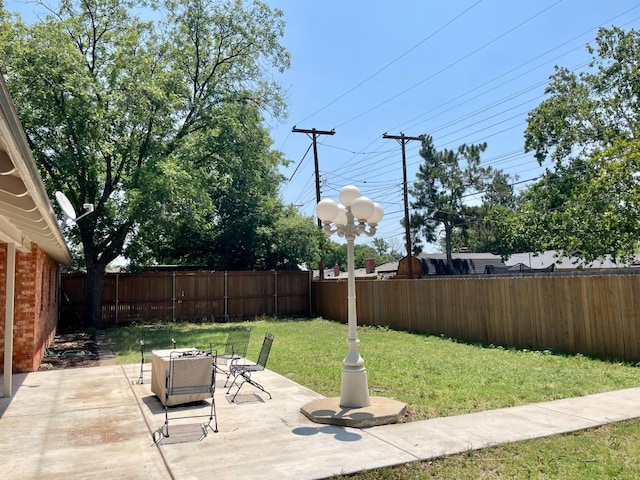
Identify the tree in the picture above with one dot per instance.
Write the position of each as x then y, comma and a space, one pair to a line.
294, 242
585, 212
442, 187
380, 245
336, 254
588, 203
385, 251
241, 222
479, 231
109, 101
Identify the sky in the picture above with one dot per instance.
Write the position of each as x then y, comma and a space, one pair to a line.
462, 71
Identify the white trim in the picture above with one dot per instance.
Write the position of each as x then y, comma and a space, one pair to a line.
8, 320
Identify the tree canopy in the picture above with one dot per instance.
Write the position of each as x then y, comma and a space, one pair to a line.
336, 254
157, 121
588, 203
442, 186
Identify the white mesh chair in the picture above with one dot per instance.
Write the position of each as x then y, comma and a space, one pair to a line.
189, 373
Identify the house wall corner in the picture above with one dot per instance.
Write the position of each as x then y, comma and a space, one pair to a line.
36, 306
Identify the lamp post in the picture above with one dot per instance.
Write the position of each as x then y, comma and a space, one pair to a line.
354, 390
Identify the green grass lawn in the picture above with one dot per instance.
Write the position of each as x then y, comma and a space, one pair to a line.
438, 377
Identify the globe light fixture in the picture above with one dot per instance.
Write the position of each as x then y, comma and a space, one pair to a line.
341, 219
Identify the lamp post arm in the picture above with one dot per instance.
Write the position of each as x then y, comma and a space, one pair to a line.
371, 232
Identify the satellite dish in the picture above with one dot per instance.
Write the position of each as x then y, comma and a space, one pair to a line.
68, 209
65, 205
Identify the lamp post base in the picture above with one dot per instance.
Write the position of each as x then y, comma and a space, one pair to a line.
354, 390
382, 411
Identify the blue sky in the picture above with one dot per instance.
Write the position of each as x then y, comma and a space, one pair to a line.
463, 71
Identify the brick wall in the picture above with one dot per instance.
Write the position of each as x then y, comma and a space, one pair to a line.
35, 307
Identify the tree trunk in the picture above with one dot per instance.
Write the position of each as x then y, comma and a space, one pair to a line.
95, 289
448, 232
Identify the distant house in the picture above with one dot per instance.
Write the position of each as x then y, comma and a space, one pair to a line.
369, 271
486, 263
387, 269
430, 264
545, 260
32, 248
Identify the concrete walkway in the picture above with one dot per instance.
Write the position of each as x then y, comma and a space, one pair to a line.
97, 423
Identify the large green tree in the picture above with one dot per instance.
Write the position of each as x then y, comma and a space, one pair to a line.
234, 220
442, 186
115, 101
589, 200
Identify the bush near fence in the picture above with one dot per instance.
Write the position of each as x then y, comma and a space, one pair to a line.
588, 314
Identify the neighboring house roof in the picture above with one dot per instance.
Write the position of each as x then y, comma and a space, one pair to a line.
390, 267
359, 273
26, 215
550, 257
463, 263
482, 263
385, 269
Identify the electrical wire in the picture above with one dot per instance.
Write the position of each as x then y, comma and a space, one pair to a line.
470, 54
428, 37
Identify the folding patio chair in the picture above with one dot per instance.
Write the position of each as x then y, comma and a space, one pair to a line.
188, 374
235, 348
153, 336
244, 371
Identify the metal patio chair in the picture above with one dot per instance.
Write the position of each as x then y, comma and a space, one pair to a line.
235, 348
190, 373
243, 372
153, 336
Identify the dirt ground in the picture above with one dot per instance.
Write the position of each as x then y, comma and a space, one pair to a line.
71, 350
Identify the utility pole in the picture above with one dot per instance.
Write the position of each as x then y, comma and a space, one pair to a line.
313, 134
402, 140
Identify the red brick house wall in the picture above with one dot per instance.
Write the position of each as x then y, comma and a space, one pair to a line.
36, 306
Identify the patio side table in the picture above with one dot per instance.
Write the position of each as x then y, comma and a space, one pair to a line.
159, 367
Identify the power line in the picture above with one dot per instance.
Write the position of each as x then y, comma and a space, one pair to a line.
299, 163
450, 65
390, 63
313, 134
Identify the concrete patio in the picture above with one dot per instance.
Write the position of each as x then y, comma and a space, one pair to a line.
97, 423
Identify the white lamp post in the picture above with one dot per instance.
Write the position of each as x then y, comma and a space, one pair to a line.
354, 390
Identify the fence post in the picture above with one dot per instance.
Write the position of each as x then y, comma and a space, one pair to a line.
226, 312
117, 295
173, 300
310, 296
275, 292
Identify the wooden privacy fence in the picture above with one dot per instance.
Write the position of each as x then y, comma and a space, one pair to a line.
597, 315
192, 295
